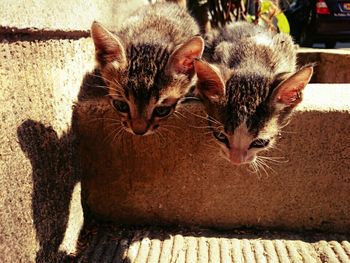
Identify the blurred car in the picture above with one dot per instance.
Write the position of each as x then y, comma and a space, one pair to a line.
326, 21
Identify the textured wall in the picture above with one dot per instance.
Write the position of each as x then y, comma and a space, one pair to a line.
41, 71
332, 66
40, 211
39, 80
178, 177
64, 15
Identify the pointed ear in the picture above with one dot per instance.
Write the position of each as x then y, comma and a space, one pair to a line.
181, 60
108, 47
289, 92
209, 85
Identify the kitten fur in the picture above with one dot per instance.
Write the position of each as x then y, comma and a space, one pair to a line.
148, 64
249, 87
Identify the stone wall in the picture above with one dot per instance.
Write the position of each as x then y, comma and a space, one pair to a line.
331, 66
180, 177
45, 53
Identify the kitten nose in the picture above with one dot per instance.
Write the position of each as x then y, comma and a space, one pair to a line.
139, 133
139, 126
238, 157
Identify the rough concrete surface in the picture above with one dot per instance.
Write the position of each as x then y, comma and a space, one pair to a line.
65, 15
179, 177
40, 209
39, 80
332, 66
203, 246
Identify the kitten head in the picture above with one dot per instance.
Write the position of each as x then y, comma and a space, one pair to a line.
247, 109
145, 81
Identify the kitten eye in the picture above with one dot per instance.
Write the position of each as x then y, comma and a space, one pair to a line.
121, 106
221, 137
259, 143
162, 111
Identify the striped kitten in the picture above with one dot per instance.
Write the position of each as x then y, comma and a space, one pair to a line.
250, 87
148, 64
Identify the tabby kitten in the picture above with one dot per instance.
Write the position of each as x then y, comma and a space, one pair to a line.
148, 64
250, 87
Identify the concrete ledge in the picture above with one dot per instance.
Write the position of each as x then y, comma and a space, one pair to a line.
65, 15
178, 178
107, 244
39, 82
332, 66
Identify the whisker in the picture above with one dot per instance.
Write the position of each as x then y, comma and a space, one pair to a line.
96, 86
171, 126
162, 128
112, 125
212, 119
109, 136
115, 137
197, 115
207, 118
275, 147
180, 114
272, 157
106, 118
275, 159
191, 97
212, 146
258, 167
104, 80
119, 91
157, 137
200, 127
102, 87
288, 132
208, 132
213, 149
160, 136
253, 168
99, 76
176, 116
105, 140
262, 166
124, 134
111, 120
263, 163
269, 167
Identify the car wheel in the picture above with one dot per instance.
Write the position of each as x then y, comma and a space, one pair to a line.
330, 44
306, 39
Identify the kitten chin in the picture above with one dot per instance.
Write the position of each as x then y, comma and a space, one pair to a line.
249, 86
147, 65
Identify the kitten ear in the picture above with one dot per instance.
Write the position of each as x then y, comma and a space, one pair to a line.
210, 84
181, 60
108, 47
289, 92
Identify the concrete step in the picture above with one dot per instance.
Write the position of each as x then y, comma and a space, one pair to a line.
64, 16
106, 244
39, 82
180, 177
331, 65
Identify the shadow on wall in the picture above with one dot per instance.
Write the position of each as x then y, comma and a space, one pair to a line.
53, 182
54, 174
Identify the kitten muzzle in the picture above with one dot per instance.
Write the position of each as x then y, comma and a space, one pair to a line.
139, 127
238, 157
